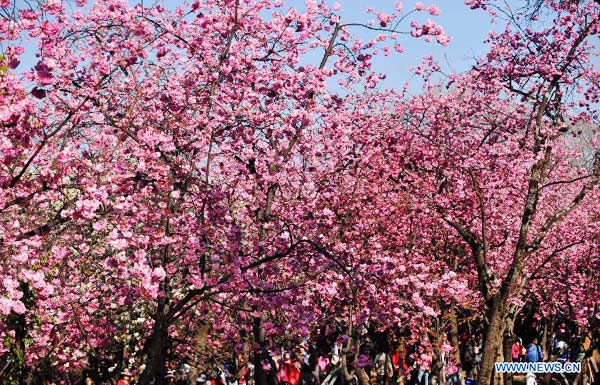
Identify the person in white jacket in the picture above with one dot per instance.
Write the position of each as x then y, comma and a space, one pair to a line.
384, 368
531, 379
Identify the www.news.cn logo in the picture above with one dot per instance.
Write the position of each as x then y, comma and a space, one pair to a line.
538, 367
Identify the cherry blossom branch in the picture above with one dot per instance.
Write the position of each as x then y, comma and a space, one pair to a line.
374, 28
183, 305
566, 181
482, 216
45, 140
264, 214
25, 199
483, 274
60, 126
304, 122
533, 193
329, 49
535, 273
561, 214
177, 309
466, 234
555, 81
57, 220
383, 29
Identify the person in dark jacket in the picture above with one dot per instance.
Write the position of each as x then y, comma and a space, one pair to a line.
468, 355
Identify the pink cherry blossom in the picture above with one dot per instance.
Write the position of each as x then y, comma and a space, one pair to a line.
433, 10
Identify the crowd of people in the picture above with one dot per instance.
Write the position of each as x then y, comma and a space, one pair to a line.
382, 358
377, 357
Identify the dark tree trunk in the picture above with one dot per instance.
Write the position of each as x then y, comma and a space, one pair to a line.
507, 349
493, 339
546, 343
260, 376
155, 349
546, 351
454, 335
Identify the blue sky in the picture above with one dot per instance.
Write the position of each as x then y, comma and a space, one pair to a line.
468, 29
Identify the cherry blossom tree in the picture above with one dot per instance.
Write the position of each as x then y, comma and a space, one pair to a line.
165, 172
159, 163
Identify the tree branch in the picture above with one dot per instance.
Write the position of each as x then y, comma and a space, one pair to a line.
561, 214
536, 272
483, 275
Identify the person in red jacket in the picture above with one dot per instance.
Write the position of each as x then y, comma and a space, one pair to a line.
294, 372
399, 361
125, 378
289, 371
396, 356
516, 349
282, 372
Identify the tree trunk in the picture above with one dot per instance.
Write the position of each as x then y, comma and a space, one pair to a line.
260, 377
493, 339
499, 377
155, 349
156, 355
547, 378
345, 350
454, 335
507, 348
546, 344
